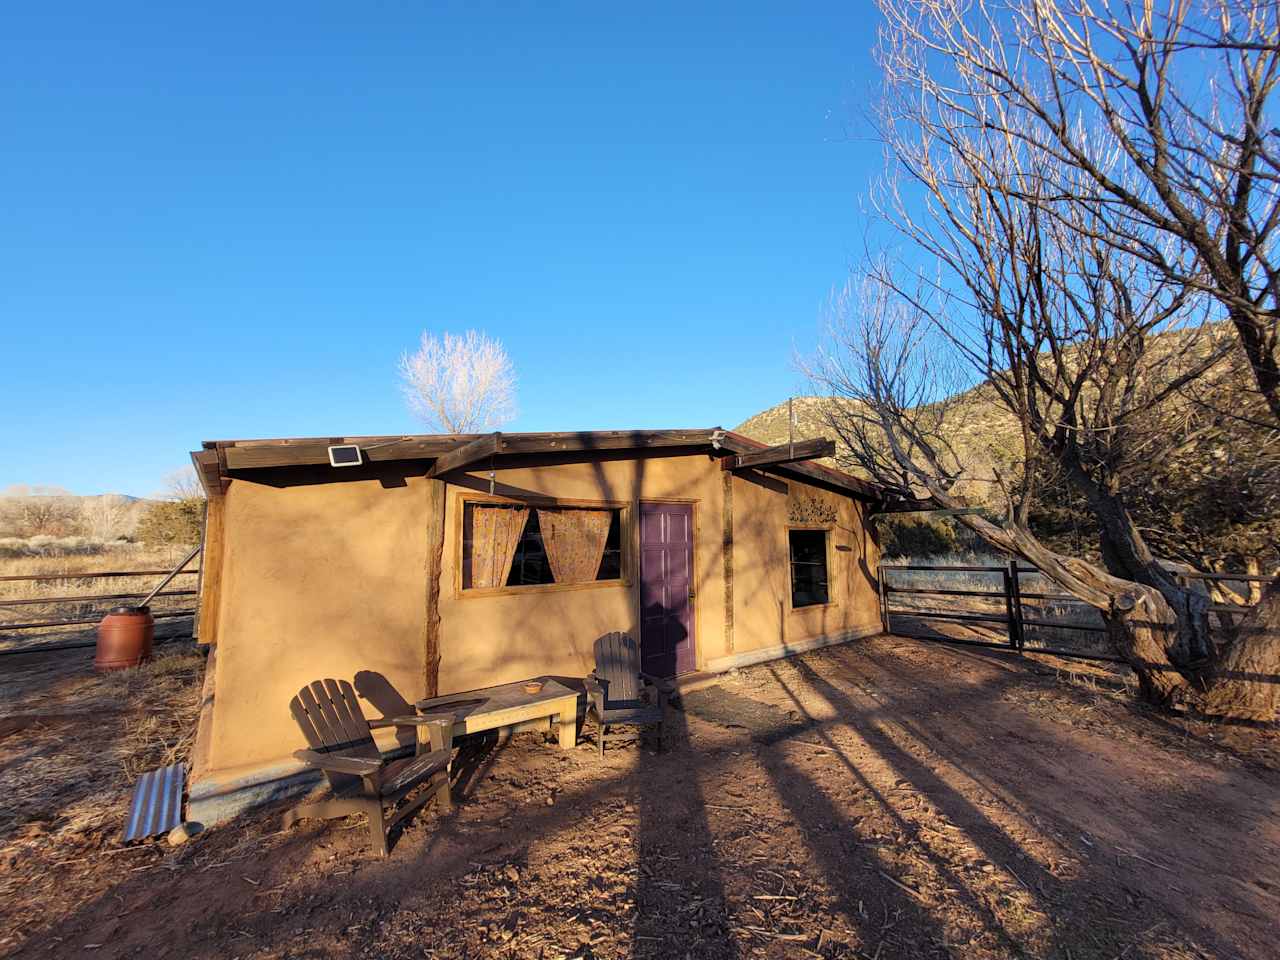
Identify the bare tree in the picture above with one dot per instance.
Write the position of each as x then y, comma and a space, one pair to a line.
182, 484
105, 517
1042, 265
894, 372
1167, 110
40, 514
459, 384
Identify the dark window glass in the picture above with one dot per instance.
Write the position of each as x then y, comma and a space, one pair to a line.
529, 566
611, 562
808, 567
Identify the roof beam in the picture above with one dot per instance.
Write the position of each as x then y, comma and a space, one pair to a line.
735, 443
259, 454
209, 471
782, 453
466, 454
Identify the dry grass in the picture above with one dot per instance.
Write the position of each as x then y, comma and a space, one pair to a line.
76, 580
74, 788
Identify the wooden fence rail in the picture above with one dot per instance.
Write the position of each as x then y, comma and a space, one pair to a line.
1011, 597
66, 617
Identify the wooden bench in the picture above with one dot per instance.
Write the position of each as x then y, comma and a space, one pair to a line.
510, 708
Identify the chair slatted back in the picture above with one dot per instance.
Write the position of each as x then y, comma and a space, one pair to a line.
618, 666
329, 715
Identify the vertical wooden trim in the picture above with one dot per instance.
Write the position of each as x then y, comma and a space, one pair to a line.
726, 511
211, 562
204, 723
436, 503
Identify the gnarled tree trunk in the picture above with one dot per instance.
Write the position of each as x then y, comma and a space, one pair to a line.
1245, 681
1141, 625
1144, 634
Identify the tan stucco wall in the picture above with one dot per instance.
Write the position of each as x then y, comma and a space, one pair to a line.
326, 580
319, 580
498, 639
764, 508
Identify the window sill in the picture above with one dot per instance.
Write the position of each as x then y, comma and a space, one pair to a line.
813, 606
470, 593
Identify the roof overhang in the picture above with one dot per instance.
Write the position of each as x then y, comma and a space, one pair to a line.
219, 459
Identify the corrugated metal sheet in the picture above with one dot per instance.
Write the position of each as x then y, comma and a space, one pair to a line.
157, 803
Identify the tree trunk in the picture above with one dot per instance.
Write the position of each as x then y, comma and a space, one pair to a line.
1127, 556
1141, 625
1245, 681
1144, 635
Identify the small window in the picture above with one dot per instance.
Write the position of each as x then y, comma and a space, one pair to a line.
808, 567
507, 545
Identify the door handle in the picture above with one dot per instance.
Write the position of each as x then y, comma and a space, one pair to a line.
691, 594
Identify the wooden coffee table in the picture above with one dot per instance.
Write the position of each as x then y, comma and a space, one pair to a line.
510, 708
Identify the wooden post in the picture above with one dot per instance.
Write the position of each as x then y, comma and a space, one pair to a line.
436, 503
884, 600
1016, 591
210, 596
1009, 574
726, 547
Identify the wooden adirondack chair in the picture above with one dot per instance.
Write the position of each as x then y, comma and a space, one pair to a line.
618, 693
360, 778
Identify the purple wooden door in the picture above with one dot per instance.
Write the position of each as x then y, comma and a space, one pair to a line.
666, 571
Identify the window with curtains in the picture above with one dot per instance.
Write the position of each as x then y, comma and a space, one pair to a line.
513, 545
808, 567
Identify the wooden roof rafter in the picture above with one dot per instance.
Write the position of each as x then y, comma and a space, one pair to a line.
468, 453
314, 451
729, 442
453, 452
781, 453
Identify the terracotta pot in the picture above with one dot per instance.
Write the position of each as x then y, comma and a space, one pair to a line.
124, 638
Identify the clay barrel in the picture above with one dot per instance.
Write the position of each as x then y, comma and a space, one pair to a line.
124, 638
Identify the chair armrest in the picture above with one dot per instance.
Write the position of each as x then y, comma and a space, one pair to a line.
595, 690
384, 722
356, 766
662, 683
655, 686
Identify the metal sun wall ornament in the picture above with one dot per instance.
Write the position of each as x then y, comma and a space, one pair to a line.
804, 507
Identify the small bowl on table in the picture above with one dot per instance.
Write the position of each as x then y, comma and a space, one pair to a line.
533, 686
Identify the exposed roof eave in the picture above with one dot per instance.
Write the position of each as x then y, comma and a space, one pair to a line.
219, 456
314, 451
736, 443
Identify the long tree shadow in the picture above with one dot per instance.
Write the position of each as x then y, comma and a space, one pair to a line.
1069, 930
681, 905
859, 873
852, 868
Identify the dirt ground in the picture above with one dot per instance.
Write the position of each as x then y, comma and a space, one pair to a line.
885, 799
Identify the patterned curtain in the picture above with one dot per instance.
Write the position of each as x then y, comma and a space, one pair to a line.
574, 540
495, 535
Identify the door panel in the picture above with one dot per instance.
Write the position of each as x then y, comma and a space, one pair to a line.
666, 565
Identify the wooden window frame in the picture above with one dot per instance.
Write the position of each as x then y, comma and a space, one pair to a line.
829, 543
625, 532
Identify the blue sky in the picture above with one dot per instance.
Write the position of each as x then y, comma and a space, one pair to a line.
229, 223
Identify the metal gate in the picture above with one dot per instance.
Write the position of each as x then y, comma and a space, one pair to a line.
1011, 606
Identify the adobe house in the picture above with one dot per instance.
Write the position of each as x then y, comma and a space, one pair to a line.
450, 563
